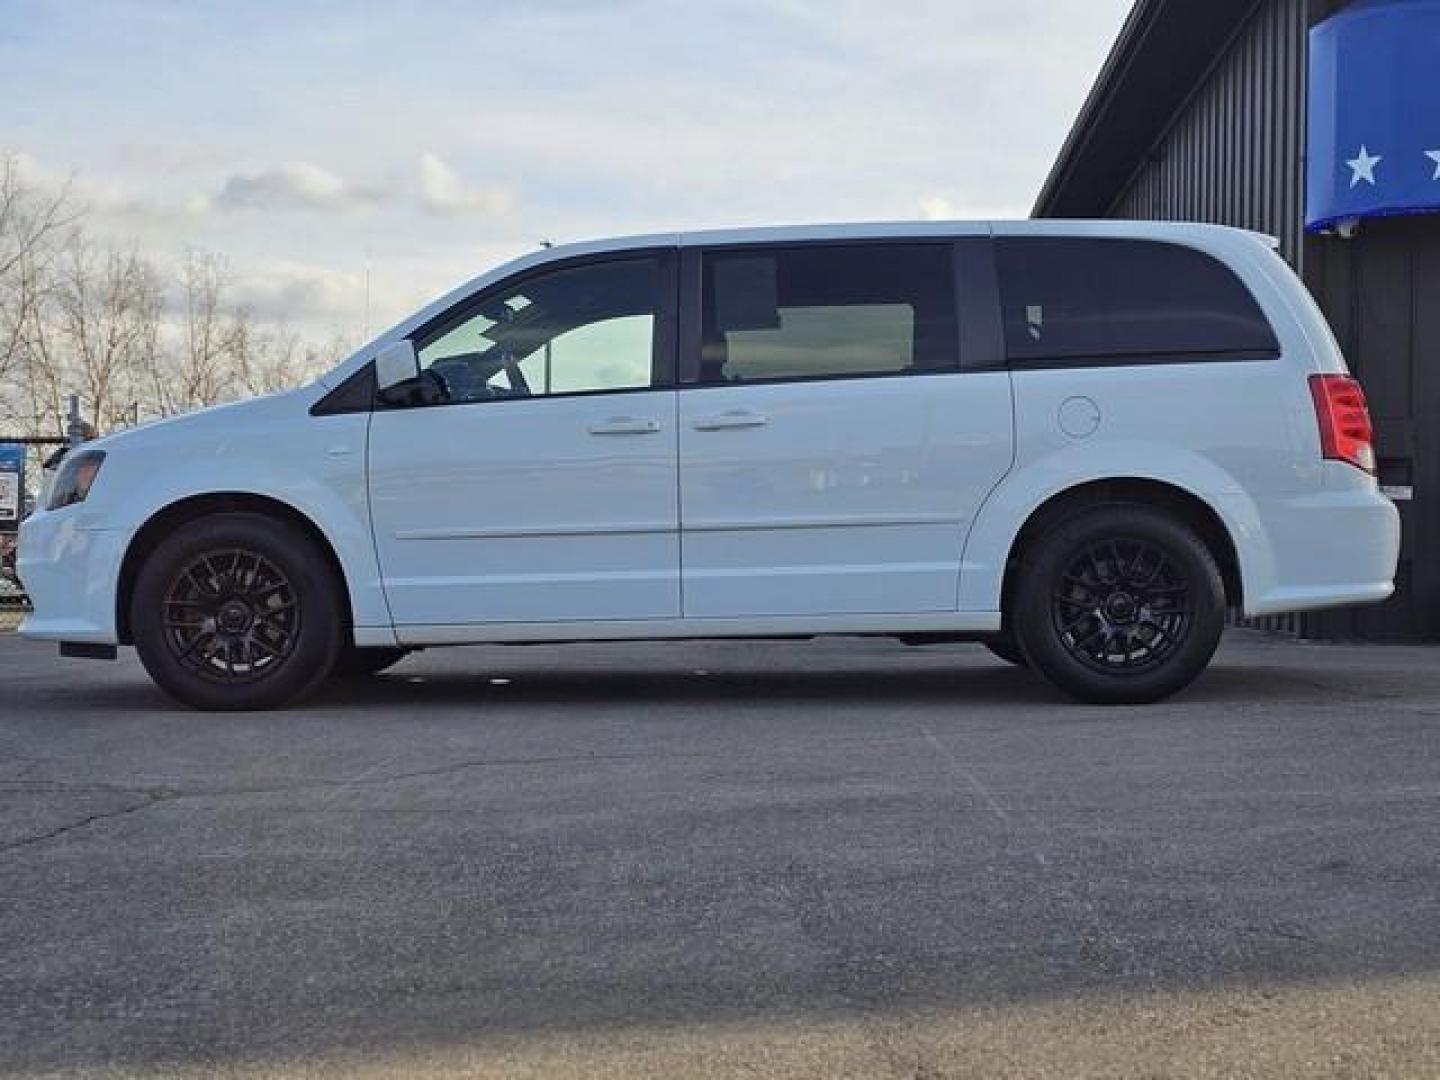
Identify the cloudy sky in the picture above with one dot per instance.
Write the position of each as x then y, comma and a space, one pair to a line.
304, 139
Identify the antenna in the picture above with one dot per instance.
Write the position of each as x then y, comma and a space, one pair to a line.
365, 328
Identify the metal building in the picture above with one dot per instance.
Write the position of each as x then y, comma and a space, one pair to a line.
1207, 111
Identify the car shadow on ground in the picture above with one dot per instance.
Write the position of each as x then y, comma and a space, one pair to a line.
493, 676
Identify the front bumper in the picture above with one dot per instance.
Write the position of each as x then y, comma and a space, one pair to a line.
70, 572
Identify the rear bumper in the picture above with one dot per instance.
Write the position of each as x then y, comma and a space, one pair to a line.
70, 574
1327, 549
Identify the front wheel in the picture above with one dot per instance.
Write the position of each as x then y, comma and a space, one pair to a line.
237, 611
1121, 604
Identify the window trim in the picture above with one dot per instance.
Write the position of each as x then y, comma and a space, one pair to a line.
353, 395
663, 349
1132, 357
962, 270
1099, 361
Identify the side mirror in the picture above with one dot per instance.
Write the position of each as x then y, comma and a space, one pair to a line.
395, 364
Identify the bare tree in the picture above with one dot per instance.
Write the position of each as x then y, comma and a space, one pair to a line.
200, 374
265, 359
81, 317
106, 312
30, 223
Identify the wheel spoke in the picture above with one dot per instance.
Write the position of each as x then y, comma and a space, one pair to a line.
194, 642
1081, 583
232, 579
232, 615
1155, 574
1118, 567
257, 643
1135, 564
200, 587
1121, 604
269, 591
1095, 573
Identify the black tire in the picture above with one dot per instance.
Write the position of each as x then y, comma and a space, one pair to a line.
1006, 649
357, 663
237, 611
1119, 605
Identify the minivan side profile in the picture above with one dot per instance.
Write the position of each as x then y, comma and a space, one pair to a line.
1077, 442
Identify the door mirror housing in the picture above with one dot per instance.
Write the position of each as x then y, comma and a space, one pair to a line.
396, 364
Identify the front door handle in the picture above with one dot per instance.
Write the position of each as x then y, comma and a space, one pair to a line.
736, 418
625, 425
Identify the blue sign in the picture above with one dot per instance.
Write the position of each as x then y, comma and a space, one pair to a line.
1374, 124
12, 483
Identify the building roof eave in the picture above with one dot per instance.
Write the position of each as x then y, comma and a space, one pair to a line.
1164, 48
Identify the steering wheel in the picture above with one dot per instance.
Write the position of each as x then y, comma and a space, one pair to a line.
518, 384
432, 388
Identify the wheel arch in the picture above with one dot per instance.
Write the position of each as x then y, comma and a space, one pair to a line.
1184, 504
191, 508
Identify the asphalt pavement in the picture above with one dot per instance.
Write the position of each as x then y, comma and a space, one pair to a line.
835, 858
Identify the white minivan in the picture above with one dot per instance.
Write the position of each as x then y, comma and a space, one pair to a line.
1078, 443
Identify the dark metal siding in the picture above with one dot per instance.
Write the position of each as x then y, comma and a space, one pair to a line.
1381, 293
1234, 153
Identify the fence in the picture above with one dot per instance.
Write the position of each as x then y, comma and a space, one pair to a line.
22, 477
13, 602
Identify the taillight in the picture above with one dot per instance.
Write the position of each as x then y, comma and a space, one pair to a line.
1344, 418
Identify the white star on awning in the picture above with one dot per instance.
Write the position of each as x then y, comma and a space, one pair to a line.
1434, 155
1363, 167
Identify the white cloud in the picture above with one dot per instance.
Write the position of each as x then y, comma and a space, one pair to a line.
296, 185
443, 191
434, 167
107, 200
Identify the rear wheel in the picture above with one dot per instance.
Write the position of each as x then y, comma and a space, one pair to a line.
356, 663
237, 611
1121, 604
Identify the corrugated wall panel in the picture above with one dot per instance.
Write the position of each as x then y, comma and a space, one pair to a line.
1234, 153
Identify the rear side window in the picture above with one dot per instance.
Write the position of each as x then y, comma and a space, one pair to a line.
828, 311
1076, 300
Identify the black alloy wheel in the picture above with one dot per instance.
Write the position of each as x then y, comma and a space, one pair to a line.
231, 615
238, 611
1119, 604
1122, 605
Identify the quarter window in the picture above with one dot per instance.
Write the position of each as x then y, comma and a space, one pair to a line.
584, 329
827, 311
1092, 300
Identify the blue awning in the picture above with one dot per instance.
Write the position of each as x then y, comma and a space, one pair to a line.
1374, 123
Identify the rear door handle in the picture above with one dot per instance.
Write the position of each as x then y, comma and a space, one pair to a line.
737, 418
625, 425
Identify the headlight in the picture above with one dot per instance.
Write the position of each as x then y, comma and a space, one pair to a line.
75, 479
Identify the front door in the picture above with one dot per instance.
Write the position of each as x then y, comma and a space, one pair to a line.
531, 475
833, 451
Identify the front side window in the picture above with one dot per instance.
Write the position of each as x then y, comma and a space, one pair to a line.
1096, 299
827, 311
582, 329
